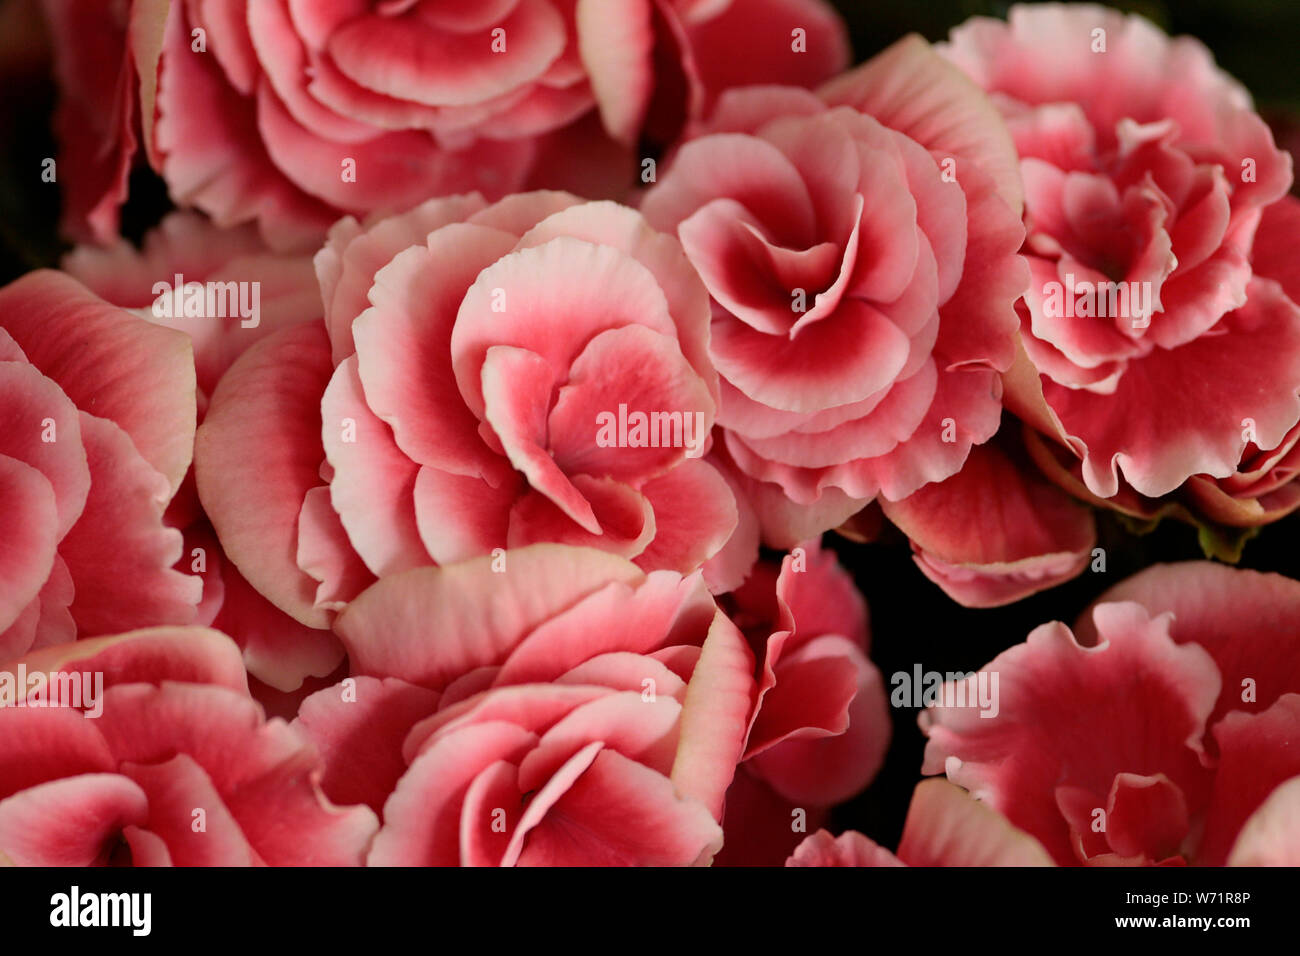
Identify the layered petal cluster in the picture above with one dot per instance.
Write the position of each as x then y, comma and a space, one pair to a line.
859, 245
442, 481
225, 290
820, 726
550, 706
291, 112
1161, 344
282, 286
97, 410
944, 827
477, 385
1163, 730
159, 758
1262, 489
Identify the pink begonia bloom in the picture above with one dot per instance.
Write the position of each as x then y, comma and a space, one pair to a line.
860, 246
1163, 730
821, 724
944, 827
473, 387
1148, 174
97, 410
551, 705
292, 112
1262, 489
279, 291
160, 758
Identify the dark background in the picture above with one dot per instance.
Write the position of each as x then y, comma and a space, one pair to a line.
912, 621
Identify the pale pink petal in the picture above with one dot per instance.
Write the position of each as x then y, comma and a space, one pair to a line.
609, 224
43, 745
205, 141
403, 345
45, 621
393, 170
753, 173
831, 363
1275, 238
36, 409
616, 41
373, 486
824, 770
269, 33
490, 815
431, 625
460, 518
730, 565
325, 553
715, 717
1270, 836
257, 455
946, 827
629, 723
517, 386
